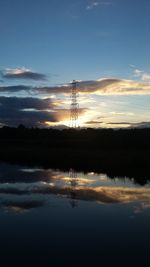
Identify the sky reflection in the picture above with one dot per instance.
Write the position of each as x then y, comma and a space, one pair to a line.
24, 189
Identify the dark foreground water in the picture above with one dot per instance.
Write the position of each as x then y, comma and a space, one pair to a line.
53, 218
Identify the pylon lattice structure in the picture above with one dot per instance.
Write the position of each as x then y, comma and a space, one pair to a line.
74, 107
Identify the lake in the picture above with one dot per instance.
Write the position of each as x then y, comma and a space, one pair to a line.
54, 218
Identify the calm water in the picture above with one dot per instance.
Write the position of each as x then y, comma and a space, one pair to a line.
55, 218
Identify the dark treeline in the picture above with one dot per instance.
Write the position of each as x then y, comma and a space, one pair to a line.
124, 152
81, 138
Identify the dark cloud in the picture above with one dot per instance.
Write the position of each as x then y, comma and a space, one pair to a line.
22, 74
13, 190
103, 86
132, 124
14, 174
26, 103
119, 123
82, 87
34, 90
93, 122
99, 87
21, 206
32, 112
141, 125
111, 195
15, 88
53, 90
28, 118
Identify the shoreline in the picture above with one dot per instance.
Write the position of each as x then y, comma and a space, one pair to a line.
122, 163
122, 153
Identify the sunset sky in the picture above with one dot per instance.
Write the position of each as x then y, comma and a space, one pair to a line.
45, 44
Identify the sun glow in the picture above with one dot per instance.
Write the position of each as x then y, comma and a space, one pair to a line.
88, 115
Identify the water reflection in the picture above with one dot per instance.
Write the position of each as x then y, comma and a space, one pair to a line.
24, 189
73, 183
21, 206
47, 215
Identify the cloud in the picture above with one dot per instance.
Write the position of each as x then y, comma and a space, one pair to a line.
92, 5
32, 112
146, 76
103, 194
15, 88
104, 86
26, 103
122, 113
142, 75
101, 87
28, 111
12, 175
22, 73
130, 124
84, 189
21, 206
138, 73
121, 87
132, 66
95, 4
144, 124
93, 122
28, 118
53, 89
142, 207
119, 124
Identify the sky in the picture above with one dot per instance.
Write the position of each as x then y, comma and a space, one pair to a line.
103, 44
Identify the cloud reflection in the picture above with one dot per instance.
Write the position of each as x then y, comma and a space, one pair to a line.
103, 194
21, 206
17, 195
